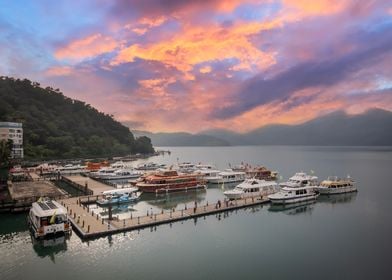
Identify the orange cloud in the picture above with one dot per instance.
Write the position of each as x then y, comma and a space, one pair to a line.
205, 69
197, 45
87, 47
145, 24
316, 8
59, 71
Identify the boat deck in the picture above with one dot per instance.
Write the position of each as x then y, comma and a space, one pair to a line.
88, 224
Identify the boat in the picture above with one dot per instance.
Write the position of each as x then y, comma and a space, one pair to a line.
48, 217
252, 188
262, 173
119, 196
170, 180
71, 169
228, 176
122, 174
149, 166
335, 185
103, 173
294, 195
300, 179
209, 174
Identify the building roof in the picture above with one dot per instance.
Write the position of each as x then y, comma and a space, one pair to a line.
11, 124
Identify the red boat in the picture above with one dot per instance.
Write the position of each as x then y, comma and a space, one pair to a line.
169, 181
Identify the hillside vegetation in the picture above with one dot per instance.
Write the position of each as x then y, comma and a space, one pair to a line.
56, 126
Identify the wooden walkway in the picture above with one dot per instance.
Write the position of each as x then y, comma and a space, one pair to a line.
83, 182
88, 224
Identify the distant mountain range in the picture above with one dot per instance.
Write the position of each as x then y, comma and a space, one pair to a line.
372, 128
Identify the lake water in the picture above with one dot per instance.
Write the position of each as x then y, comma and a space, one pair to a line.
338, 237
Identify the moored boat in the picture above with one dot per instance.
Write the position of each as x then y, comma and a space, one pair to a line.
300, 179
170, 180
123, 174
294, 194
118, 196
252, 188
335, 185
228, 176
48, 217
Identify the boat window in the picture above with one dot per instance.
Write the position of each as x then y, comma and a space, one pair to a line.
305, 191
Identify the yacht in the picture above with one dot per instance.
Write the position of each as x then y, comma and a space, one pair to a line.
118, 196
103, 173
71, 169
229, 176
252, 188
170, 180
122, 174
294, 194
301, 179
149, 166
48, 217
209, 174
335, 185
262, 173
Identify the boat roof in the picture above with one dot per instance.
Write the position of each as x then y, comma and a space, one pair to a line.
300, 176
247, 184
232, 173
121, 191
297, 188
47, 208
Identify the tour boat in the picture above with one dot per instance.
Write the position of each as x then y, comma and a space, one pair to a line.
301, 179
262, 173
48, 217
228, 176
294, 194
103, 173
209, 174
118, 196
170, 180
335, 185
252, 188
71, 169
122, 174
149, 166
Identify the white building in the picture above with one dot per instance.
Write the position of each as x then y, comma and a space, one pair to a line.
13, 131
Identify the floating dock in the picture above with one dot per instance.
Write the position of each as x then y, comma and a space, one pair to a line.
88, 224
86, 184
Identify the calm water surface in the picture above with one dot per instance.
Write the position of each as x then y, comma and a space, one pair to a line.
338, 237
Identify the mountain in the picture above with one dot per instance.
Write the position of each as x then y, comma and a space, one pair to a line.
372, 128
182, 139
56, 126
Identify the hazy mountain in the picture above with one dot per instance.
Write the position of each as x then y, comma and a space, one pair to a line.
182, 139
372, 128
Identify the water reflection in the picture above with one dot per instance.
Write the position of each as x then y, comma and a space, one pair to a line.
338, 198
293, 208
172, 200
51, 246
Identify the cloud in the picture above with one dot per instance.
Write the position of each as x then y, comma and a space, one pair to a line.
87, 47
195, 45
258, 90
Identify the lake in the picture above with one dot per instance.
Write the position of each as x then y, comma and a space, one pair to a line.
338, 237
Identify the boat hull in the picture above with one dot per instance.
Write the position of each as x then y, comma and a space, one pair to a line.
327, 191
289, 200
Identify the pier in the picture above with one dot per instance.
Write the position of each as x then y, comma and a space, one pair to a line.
87, 185
89, 225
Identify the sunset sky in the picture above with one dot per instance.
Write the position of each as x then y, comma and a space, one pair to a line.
197, 65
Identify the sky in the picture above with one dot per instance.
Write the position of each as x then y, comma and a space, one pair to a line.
166, 66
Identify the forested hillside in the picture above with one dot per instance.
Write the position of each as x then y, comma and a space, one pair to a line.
56, 126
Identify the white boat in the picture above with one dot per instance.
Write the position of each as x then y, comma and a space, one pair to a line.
123, 174
118, 196
293, 195
103, 173
209, 175
229, 176
48, 217
335, 185
252, 188
71, 169
300, 179
149, 166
